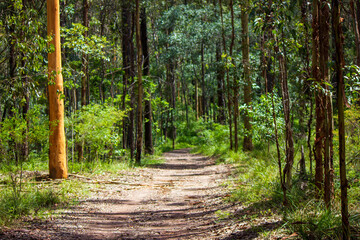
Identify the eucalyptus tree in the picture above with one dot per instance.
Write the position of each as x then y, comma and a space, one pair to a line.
139, 128
245, 8
57, 148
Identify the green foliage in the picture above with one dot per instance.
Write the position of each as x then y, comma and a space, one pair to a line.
93, 45
261, 112
98, 126
202, 133
311, 220
15, 130
36, 200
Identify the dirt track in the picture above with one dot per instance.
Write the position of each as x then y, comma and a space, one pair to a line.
174, 200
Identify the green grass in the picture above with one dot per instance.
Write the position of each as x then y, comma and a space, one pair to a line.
37, 200
255, 184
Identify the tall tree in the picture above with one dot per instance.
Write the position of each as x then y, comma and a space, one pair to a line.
235, 86
84, 78
356, 29
129, 73
139, 129
57, 151
149, 149
247, 145
339, 43
228, 87
318, 148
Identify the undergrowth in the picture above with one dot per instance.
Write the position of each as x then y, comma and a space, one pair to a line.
255, 184
37, 199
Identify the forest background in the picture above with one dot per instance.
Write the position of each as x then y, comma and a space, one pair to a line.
258, 83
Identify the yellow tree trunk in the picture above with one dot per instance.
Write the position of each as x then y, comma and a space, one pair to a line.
57, 152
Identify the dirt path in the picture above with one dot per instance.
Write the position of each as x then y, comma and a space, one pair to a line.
174, 200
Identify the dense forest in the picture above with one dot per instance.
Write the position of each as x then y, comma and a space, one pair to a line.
92, 82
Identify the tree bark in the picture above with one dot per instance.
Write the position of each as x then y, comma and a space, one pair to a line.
282, 182
57, 149
203, 97
84, 57
235, 79
228, 87
324, 27
220, 73
128, 65
149, 149
339, 42
247, 145
139, 128
288, 128
356, 30
319, 171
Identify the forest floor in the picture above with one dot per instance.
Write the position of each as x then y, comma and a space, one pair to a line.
182, 198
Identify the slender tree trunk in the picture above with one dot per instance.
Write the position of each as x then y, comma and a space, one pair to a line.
307, 74
282, 180
318, 148
84, 57
220, 73
173, 102
324, 27
228, 87
247, 145
339, 42
80, 146
288, 128
57, 149
196, 99
139, 128
356, 30
149, 149
203, 98
235, 79
309, 136
128, 65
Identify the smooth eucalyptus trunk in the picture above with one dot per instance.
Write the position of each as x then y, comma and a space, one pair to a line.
57, 148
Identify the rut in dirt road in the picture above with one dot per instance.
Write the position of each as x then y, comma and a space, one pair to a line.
174, 200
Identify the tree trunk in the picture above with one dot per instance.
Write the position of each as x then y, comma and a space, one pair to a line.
288, 129
356, 30
139, 128
203, 87
247, 145
324, 27
196, 99
128, 65
57, 149
319, 172
220, 73
149, 149
282, 182
228, 87
84, 57
339, 42
235, 79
